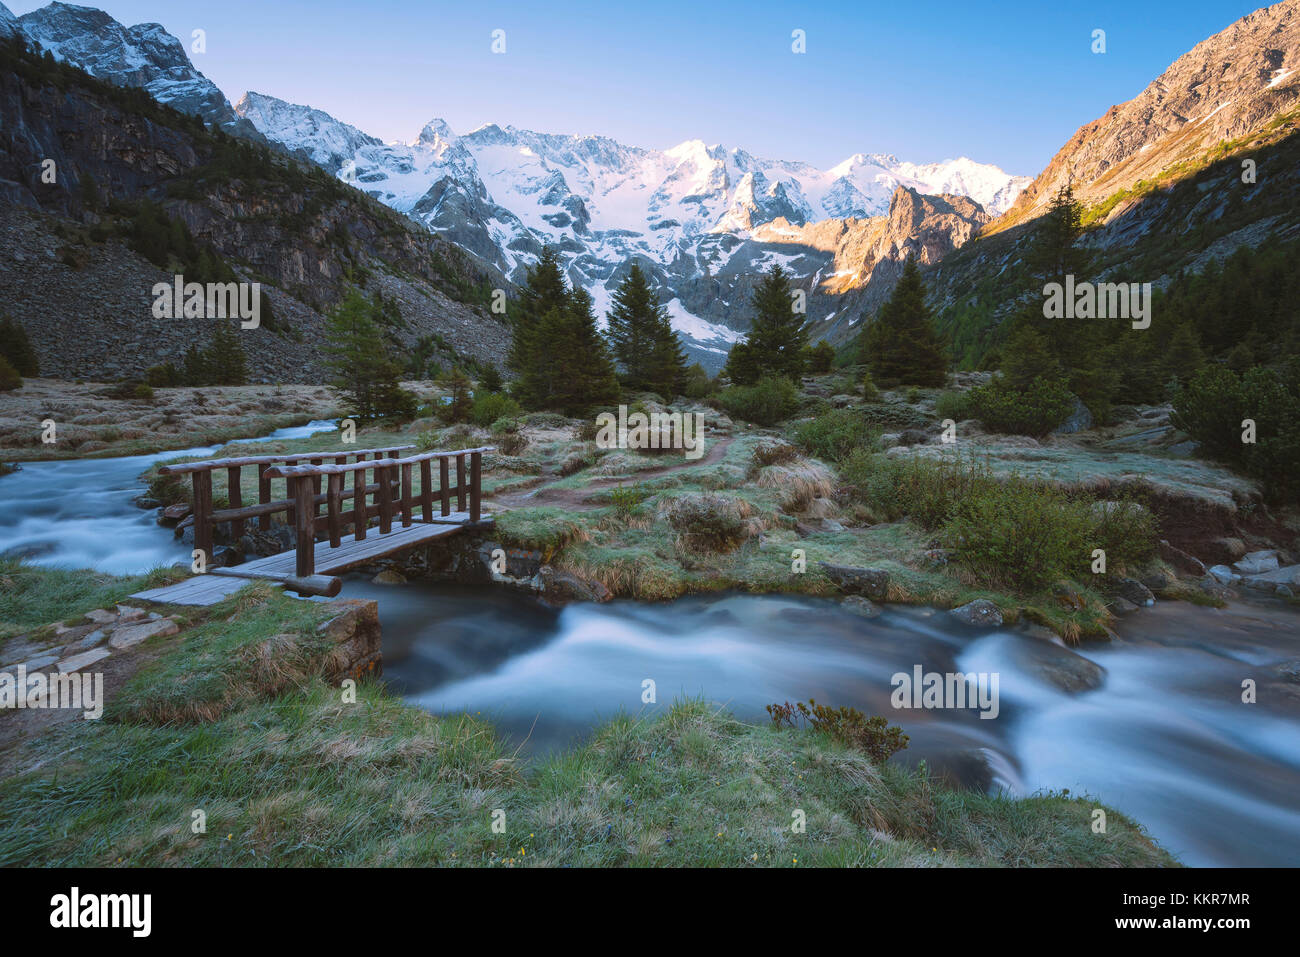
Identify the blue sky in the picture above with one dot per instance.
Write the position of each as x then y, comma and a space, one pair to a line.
1003, 83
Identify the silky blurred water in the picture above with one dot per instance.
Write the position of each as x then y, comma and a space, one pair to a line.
81, 513
1165, 738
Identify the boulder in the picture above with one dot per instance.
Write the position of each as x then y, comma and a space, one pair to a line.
1059, 666
101, 617
389, 577
1223, 574
559, 584
1180, 560
981, 613
1257, 563
174, 513
1135, 591
863, 607
872, 582
1121, 606
1078, 419
356, 636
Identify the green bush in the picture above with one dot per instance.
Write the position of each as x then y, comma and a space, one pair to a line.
9, 377
627, 499
870, 392
767, 402
1214, 405
1037, 410
833, 435
953, 405
143, 392
490, 407
505, 425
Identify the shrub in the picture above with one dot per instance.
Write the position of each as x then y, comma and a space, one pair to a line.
875, 735
833, 435
698, 383
1036, 411
627, 499
512, 443
505, 424
143, 392
953, 405
545, 420
767, 402
1212, 407
708, 522
869, 390
492, 406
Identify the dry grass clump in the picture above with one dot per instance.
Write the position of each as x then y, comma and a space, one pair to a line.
800, 483
774, 453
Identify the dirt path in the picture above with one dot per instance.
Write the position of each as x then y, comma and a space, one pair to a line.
577, 499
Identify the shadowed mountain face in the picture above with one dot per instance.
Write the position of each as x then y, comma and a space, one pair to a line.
79, 276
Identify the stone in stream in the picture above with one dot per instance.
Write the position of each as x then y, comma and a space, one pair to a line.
128, 636
1135, 591
174, 513
1257, 563
389, 577
567, 586
1223, 574
981, 613
872, 582
864, 607
1059, 666
1120, 605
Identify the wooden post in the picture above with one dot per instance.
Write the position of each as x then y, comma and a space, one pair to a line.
444, 492
475, 483
406, 495
263, 496
385, 500
426, 491
315, 484
203, 514
235, 495
460, 483
359, 509
304, 513
333, 507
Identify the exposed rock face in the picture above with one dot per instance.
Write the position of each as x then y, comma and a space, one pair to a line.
144, 56
1230, 85
301, 237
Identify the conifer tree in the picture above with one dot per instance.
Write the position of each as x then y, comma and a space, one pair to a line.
902, 344
544, 292
17, 348
642, 339
581, 369
227, 364
777, 335
366, 374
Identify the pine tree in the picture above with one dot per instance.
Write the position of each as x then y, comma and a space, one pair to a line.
366, 374
490, 381
226, 362
581, 369
1182, 356
544, 292
17, 348
777, 335
902, 345
642, 339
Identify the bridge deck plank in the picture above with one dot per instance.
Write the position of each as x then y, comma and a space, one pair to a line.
210, 589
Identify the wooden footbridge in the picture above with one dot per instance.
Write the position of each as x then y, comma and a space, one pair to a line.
408, 514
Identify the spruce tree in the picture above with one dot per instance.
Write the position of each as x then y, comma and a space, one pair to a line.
777, 335
227, 364
17, 348
642, 339
581, 371
366, 374
902, 345
544, 292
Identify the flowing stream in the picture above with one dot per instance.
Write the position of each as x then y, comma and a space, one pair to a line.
1160, 733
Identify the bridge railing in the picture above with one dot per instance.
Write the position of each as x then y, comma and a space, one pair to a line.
393, 489
206, 518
